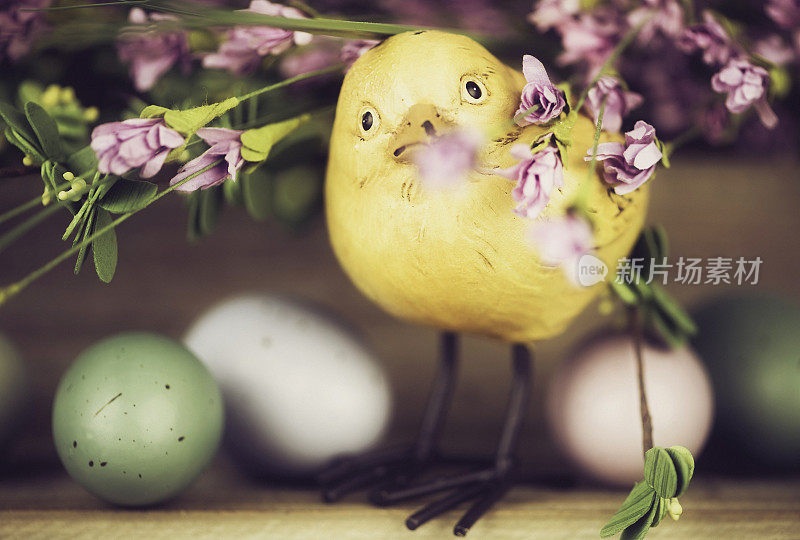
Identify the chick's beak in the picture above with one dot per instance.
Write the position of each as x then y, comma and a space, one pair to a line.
420, 125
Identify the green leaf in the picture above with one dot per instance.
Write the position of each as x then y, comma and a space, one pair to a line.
17, 122
193, 206
661, 328
188, 121
625, 293
128, 196
24, 145
257, 193
638, 503
233, 192
209, 210
88, 226
257, 143
296, 193
104, 247
46, 130
659, 472
639, 530
83, 161
673, 310
684, 466
661, 511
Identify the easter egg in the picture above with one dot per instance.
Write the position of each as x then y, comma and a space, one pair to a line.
593, 406
13, 392
136, 418
751, 346
300, 388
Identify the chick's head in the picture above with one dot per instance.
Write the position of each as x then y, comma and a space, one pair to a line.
416, 85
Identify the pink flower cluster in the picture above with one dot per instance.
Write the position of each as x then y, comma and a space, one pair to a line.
539, 96
246, 45
139, 142
537, 175
223, 160
449, 158
19, 29
618, 102
151, 54
562, 242
628, 166
746, 86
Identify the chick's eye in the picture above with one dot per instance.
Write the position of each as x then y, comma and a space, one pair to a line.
369, 121
366, 121
473, 90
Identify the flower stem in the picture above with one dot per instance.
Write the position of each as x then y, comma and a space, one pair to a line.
11, 290
98, 4
21, 209
647, 423
582, 198
623, 44
687, 136
287, 82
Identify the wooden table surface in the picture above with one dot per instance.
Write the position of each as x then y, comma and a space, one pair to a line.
223, 505
711, 207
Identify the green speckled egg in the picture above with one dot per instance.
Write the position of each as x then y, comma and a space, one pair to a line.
136, 418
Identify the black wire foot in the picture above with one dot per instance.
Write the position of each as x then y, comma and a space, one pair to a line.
373, 471
394, 475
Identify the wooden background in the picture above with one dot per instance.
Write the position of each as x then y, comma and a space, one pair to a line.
720, 206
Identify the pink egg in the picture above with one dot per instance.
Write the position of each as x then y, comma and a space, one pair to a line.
593, 406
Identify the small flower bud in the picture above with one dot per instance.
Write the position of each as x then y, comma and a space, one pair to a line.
27, 161
67, 95
68, 176
674, 508
50, 96
91, 114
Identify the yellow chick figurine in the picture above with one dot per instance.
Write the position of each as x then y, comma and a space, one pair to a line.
458, 259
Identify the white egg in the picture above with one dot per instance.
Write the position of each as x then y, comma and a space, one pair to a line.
593, 406
300, 388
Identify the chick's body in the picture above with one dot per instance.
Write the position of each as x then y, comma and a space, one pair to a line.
454, 258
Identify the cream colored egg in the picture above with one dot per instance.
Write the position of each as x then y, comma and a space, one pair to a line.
300, 388
593, 406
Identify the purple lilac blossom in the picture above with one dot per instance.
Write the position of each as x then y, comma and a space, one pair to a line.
549, 14
628, 166
562, 242
448, 160
308, 59
775, 49
786, 13
225, 147
537, 175
246, 45
139, 142
746, 86
19, 29
709, 37
658, 17
618, 102
539, 92
590, 39
151, 54
354, 48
